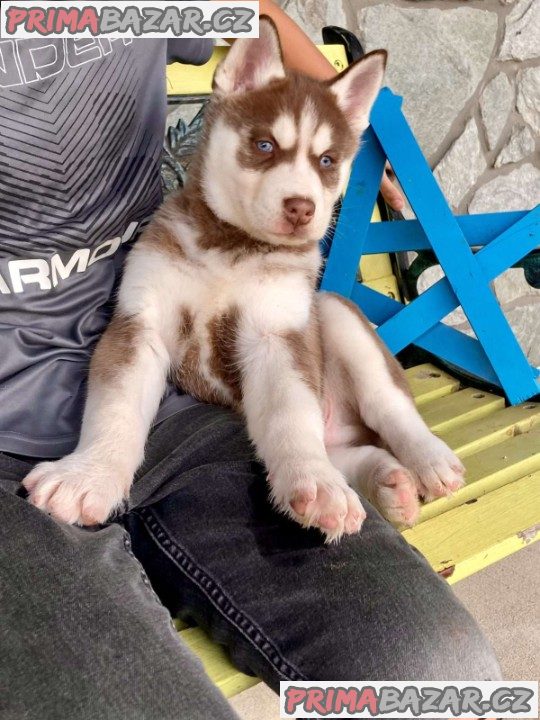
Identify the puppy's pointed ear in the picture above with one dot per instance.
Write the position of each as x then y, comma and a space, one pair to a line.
251, 63
357, 87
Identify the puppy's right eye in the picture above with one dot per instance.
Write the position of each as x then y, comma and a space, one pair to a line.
265, 146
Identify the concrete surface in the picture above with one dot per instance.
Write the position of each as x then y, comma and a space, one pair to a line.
504, 598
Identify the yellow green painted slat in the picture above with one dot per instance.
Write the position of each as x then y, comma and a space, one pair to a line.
373, 267
493, 429
459, 408
428, 382
490, 469
466, 539
386, 285
514, 458
216, 663
197, 79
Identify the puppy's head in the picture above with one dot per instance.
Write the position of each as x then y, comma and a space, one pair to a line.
279, 145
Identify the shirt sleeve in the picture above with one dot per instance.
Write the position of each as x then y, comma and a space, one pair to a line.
192, 51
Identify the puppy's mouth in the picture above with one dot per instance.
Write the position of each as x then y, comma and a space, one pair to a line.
287, 231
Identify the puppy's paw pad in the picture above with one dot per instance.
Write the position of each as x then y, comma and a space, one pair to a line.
355, 513
75, 490
328, 510
318, 496
438, 470
397, 496
303, 498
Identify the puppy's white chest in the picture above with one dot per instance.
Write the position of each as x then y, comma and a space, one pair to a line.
271, 301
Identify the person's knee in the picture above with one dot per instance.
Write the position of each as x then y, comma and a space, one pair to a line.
454, 649
416, 646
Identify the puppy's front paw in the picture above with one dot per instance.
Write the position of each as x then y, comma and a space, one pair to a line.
395, 494
316, 495
76, 490
438, 470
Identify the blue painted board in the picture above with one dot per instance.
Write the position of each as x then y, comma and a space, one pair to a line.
439, 300
405, 235
353, 223
467, 280
496, 356
441, 340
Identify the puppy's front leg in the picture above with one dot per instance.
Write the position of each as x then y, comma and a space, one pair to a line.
127, 379
285, 421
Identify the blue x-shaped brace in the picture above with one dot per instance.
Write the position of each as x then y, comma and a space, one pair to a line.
495, 356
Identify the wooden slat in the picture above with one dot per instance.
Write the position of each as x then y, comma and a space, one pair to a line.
216, 663
464, 540
386, 285
373, 267
427, 382
459, 408
493, 429
197, 80
490, 469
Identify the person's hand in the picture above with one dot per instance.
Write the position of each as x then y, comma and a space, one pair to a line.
392, 196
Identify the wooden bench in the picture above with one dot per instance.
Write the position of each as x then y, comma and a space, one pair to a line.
498, 510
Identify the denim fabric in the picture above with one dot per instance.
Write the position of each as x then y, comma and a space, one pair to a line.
82, 634
82, 625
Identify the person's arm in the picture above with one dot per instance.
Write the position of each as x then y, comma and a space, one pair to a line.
302, 55
299, 52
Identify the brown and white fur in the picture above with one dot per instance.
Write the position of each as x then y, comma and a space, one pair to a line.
219, 294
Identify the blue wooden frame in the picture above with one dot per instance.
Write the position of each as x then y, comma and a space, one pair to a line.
505, 238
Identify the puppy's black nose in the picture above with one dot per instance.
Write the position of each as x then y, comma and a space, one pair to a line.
298, 211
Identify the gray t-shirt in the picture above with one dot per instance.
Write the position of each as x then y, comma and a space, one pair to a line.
81, 132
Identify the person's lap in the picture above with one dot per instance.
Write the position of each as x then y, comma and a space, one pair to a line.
79, 619
287, 605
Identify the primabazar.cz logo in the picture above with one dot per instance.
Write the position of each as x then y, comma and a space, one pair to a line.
420, 700
152, 19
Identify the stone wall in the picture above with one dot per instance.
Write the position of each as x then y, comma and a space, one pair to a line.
469, 74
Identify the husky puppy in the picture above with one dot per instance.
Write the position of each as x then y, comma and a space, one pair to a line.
219, 294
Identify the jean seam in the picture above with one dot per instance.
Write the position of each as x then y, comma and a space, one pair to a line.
217, 596
142, 572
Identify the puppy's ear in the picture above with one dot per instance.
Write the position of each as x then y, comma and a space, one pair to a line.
357, 87
251, 63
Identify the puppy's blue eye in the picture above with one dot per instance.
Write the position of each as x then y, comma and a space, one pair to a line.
265, 146
326, 161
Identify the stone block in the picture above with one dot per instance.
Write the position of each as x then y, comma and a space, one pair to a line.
520, 144
462, 165
528, 96
518, 190
496, 103
436, 60
521, 39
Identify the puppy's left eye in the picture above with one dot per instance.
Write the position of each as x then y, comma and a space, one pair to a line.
326, 161
265, 146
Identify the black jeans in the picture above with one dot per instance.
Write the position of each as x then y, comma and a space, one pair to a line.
77, 611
